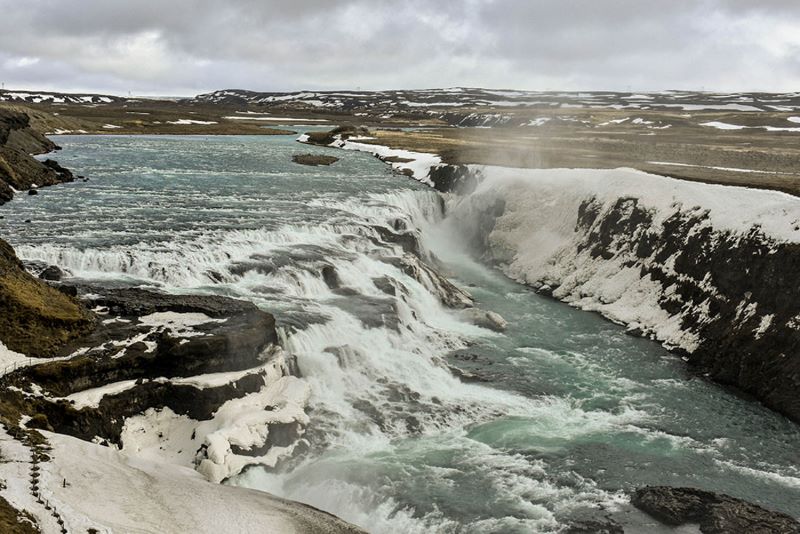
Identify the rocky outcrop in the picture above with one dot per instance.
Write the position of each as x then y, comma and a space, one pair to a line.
230, 337
337, 134
36, 319
18, 170
458, 179
185, 355
314, 160
714, 513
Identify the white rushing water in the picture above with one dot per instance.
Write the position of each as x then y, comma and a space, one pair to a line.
555, 419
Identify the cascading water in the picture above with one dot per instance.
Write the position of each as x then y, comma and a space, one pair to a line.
552, 421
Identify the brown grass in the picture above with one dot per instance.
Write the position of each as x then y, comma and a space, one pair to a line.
13, 521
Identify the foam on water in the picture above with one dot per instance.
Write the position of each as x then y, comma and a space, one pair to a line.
573, 412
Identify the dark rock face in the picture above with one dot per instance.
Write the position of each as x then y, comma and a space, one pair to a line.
138, 302
63, 174
447, 292
18, 169
454, 179
386, 284
331, 277
236, 338
314, 160
52, 274
594, 527
738, 293
407, 240
715, 513
107, 420
373, 312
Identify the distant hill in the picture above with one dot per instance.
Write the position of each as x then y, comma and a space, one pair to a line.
42, 97
463, 98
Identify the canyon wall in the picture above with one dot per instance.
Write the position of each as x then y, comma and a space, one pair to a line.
710, 271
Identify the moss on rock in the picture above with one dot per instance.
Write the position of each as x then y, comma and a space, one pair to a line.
37, 320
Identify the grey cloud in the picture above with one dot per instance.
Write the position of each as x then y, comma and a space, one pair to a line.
188, 46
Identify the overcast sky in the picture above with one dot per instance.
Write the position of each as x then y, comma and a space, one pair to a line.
184, 47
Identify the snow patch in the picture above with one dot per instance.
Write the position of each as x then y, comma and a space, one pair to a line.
162, 435
190, 121
282, 119
722, 125
178, 321
90, 398
142, 496
419, 164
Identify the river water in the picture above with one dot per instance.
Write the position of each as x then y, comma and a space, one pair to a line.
568, 414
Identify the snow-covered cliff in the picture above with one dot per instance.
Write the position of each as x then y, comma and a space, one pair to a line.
711, 271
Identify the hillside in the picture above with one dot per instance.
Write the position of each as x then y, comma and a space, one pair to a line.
19, 171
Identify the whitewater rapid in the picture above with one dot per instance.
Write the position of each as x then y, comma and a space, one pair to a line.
552, 422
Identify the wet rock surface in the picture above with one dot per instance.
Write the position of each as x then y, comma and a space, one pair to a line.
447, 292
485, 319
453, 179
314, 160
714, 513
52, 274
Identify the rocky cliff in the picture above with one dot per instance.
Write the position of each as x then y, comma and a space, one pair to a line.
711, 271
36, 319
18, 170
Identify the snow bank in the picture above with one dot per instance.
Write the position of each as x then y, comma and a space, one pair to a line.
59, 131
419, 164
727, 169
242, 424
11, 361
110, 491
186, 122
90, 398
178, 322
15, 474
727, 126
537, 240
738, 209
722, 125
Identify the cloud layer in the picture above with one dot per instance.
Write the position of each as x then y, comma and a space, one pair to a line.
184, 47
